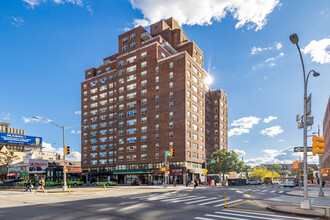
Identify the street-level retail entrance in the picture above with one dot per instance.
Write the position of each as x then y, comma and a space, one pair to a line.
143, 176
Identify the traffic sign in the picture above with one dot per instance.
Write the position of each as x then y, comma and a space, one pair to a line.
65, 162
167, 153
65, 170
212, 161
301, 149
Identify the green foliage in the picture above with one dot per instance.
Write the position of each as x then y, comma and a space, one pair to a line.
7, 157
285, 172
260, 173
228, 162
276, 167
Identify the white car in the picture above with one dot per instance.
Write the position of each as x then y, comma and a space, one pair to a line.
289, 183
276, 182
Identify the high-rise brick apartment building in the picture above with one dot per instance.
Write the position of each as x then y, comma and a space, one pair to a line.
148, 98
325, 159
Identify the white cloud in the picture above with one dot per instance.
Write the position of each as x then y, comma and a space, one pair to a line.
281, 140
75, 132
17, 21
243, 124
246, 141
271, 61
278, 45
33, 3
284, 156
48, 148
246, 122
5, 117
77, 112
28, 120
272, 131
252, 13
319, 50
74, 156
270, 118
237, 131
240, 152
255, 50
125, 29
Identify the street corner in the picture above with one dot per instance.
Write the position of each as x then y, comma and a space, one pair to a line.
315, 211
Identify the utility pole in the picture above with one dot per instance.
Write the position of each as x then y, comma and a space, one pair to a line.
299, 172
321, 193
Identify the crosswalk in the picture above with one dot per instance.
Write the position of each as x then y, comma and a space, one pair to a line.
257, 189
245, 215
184, 199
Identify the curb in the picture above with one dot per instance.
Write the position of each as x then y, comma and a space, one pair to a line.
294, 209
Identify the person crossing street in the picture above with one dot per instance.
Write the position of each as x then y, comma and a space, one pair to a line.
41, 184
28, 186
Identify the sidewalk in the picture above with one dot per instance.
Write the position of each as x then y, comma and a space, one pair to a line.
295, 209
314, 193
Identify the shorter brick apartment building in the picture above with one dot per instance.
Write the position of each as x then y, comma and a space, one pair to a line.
152, 96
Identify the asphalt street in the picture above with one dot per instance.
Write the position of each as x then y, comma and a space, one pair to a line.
130, 202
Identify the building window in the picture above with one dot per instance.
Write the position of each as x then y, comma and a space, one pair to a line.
143, 156
144, 147
144, 138
143, 92
132, 45
171, 95
171, 105
189, 154
157, 156
143, 55
143, 73
171, 114
157, 127
124, 40
157, 107
157, 79
132, 37
157, 88
171, 134
144, 129
157, 98
143, 110
171, 64
171, 75
171, 85
157, 136
171, 124
124, 49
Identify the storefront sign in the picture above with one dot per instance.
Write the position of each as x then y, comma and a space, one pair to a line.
20, 139
38, 166
176, 170
23, 174
12, 174
191, 171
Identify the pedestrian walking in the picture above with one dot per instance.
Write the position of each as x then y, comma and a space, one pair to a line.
41, 184
28, 186
196, 183
215, 182
174, 182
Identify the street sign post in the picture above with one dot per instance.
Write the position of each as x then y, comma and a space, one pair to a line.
309, 105
301, 149
65, 162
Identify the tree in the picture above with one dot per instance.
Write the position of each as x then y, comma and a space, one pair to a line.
7, 157
276, 167
285, 172
247, 169
228, 162
260, 173
310, 173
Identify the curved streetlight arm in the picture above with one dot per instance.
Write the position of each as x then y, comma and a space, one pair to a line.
47, 120
303, 66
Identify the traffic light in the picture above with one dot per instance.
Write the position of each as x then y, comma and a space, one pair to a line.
295, 165
163, 169
167, 167
67, 150
171, 152
218, 160
318, 145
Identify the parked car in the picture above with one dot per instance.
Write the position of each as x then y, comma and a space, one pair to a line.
289, 183
105, 182
276, 182
1, 183
74, 182
51, 183
252, 182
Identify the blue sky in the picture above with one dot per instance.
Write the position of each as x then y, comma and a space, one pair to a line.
45, 46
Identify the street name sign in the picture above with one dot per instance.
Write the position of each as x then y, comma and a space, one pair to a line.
301, 149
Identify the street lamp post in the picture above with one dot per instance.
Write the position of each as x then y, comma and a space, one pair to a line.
305, 203
65, 186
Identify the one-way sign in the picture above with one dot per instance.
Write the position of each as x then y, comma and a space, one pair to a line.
301, 149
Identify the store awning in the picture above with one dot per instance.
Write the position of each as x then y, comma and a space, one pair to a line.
140, 171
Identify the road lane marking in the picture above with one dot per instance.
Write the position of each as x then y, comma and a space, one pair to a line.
238, 203
262, 214
218, 200
273, 191
248, 210
241, 215
197, 201
280, 192
200, 218
222, 204
226, 217
184, 200
264, 191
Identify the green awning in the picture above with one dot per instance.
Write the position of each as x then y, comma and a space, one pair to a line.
140, 171
23, 174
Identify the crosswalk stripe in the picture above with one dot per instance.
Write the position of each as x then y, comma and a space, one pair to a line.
184, 200
135, 196
175, 198
200, 218
280, 192
226, 217
205, 203
273, 191
197, 201
222, 204
263, 214
264, 190
241, 215
256, 190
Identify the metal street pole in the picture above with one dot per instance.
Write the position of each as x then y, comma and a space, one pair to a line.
321, 193
165, 182
299, 173
206, 169
65, 186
